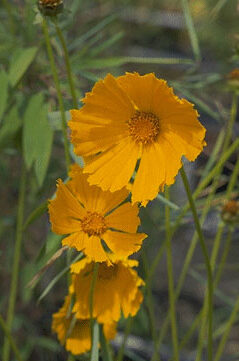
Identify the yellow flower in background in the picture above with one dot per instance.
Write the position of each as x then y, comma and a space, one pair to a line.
90, 215
116, 289
75, 333
131, 118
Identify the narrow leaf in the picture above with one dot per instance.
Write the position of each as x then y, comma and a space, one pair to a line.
46, 266
12, 123
43, 146
31, 129
167, 202
4, 92
20, 64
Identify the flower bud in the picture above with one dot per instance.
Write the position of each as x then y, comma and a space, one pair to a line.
230, 212
233, 79
50, 7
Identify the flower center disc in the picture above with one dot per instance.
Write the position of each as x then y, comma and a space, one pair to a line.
93, 224
143, 127
107, 272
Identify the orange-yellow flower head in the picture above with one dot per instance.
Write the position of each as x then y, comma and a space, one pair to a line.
92, 216
131, 118
75, 333
116, 289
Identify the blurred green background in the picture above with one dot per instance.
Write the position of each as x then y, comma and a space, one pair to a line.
107, 36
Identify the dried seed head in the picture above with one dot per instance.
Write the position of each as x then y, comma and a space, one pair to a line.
50, 7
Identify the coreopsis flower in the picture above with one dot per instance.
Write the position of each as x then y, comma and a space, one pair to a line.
90, 215
50, 7
116, 289
75, 333
135, 123
230, 211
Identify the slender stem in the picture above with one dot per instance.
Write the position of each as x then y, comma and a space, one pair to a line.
206, 260
230, 122
149, 302
171, 280
224, 257
227, 330
128, 326
191, 30
91, 296
11, 20
16, 262
10, 339
68, 64
58, 90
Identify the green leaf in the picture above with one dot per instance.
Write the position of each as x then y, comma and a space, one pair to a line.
4, 92
36, 213
20, 64
43, 146
167, 202
58, 277
37, 137
31, 128
12, 123
55, 119
94, 356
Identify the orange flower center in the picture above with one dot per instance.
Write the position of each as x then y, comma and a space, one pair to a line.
107, 272
144, 127
93, 224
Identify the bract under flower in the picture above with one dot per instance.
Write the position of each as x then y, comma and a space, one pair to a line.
132, 118
90, 215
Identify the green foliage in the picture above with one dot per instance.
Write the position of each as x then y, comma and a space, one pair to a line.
21, 60
4, 92
37, 137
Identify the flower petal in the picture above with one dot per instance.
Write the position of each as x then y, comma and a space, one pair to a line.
150, 177
124, 218
123, 244
140, 88
65, 211
113, 169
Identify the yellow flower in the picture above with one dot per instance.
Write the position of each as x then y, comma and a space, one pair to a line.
75, 333
116, 289
134, 117
89, 215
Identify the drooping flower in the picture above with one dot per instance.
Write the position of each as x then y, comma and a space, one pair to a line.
116, 289
90, 215
75, 333
135, 119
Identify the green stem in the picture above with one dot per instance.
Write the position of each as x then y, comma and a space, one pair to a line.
203, 184
206, 260
229, 325
215, 283
91, 296
230, 122
16, 262
171, 280
10, 339
191, 30
67, 63
58, 90
224, 257
128, 326
149, 302
11, 20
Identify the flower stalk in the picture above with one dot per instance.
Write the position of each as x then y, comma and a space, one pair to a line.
16, 262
